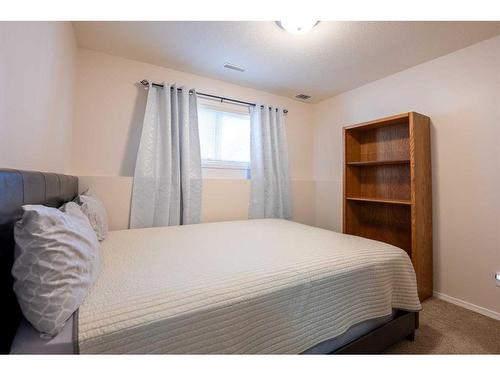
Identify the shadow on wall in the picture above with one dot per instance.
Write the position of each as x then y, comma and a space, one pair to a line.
134, 132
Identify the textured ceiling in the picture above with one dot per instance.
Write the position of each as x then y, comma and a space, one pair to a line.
332, 58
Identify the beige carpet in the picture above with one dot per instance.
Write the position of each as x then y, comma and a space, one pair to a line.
449, 329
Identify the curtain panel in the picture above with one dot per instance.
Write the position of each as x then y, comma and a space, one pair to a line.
270, 195
167, 177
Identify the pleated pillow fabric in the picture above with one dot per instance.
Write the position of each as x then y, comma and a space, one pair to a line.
57, 261
95, 211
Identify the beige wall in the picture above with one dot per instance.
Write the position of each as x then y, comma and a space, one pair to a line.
108, 118
222, 199
37, 64
461, 94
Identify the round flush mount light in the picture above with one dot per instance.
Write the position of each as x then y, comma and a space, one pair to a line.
297, 27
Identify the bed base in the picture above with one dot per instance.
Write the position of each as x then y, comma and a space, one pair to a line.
50, 189
402, 327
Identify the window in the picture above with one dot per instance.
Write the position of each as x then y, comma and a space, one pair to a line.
224, 139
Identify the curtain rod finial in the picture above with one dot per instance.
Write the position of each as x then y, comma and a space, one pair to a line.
145, 82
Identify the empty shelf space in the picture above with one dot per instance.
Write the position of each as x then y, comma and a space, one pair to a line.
378, 162
381, 143
380, 200
390, 223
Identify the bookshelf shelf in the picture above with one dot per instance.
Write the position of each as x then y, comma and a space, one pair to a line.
377, 162
379, 200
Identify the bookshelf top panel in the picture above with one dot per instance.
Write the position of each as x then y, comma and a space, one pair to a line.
391, 120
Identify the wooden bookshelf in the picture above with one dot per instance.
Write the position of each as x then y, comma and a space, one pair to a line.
387, 187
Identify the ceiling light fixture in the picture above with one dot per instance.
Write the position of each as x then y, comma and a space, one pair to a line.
297, 27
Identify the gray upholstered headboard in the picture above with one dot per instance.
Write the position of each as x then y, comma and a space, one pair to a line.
18, 188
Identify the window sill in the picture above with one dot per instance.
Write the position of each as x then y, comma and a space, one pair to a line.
225, 174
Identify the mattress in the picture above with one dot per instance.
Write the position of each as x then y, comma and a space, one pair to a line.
28, 340
255, 286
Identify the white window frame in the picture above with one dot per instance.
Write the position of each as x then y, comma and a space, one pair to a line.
225, 169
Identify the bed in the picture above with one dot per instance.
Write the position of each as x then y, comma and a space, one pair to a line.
255, 286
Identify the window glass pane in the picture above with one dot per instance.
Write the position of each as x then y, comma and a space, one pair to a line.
235, 137
207, 122
224, 136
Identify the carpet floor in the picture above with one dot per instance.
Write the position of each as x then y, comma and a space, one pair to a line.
449, 329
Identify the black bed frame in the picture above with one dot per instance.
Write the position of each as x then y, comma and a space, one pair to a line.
18, 188
402, 327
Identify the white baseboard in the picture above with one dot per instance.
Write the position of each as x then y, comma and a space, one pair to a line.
467, 305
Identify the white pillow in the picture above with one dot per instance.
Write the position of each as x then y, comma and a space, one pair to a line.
57, 261
96, 213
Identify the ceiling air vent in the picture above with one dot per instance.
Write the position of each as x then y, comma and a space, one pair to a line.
303, 96
234, 67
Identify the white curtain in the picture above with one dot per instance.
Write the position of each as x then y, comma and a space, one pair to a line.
167, 178
270, 195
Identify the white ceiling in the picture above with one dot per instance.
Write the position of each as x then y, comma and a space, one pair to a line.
332, 58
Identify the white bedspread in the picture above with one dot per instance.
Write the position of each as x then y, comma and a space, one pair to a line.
258, 286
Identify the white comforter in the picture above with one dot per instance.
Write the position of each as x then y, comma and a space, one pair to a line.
259, 286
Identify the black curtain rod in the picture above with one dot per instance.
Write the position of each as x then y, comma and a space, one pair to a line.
145, 82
